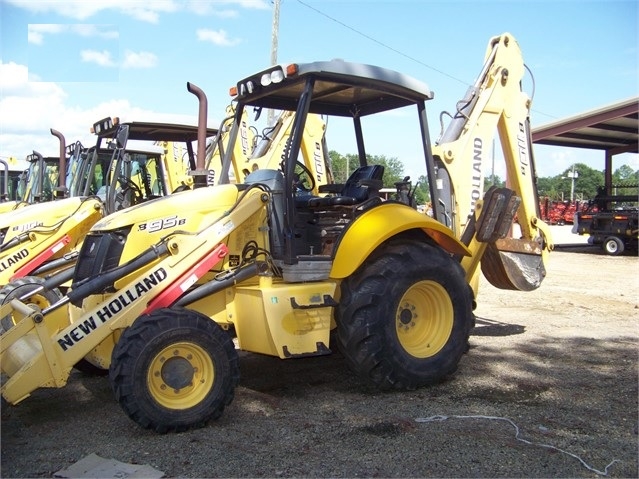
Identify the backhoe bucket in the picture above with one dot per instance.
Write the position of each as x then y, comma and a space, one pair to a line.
507, 262
515, 264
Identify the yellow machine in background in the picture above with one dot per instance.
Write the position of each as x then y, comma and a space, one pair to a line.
39, 182
277, 262
265, 151
10, 172
42, 239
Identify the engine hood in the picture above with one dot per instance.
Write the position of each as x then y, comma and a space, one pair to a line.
43, 213
186, 209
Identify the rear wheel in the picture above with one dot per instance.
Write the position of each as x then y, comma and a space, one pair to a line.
404, 319
174, 369
613, 246
22, 287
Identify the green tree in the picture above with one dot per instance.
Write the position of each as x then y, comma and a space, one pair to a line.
625, 176
339, 166
393, 168
422, 191
547, 188
586, 184
495, 180
625, 182
344, 165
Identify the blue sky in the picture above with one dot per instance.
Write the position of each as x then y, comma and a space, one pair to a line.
66, 64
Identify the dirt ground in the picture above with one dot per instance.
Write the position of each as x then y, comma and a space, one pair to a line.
548, 389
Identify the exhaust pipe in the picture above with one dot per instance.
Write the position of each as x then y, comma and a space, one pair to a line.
5, 181
61, 190
200, 174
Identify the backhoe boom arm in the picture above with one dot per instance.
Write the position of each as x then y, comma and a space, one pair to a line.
495, 103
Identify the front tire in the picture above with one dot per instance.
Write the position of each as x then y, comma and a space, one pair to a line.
173, 370
613, 246
405, 316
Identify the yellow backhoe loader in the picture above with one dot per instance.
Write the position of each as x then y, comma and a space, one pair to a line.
277, 263
11, 173
40, 182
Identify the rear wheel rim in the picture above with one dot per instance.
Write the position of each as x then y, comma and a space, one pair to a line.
181, 375
424, 319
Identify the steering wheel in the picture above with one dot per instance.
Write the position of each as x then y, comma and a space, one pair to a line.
127, 184
303, 180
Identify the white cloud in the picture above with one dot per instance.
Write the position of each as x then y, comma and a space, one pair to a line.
202, 9
108, 32
216, 7
146, 11
74, 9
256, 4
29, 110
139, 59
14, 84
34, 38
218, 37
225, 13
102, 58
37, 31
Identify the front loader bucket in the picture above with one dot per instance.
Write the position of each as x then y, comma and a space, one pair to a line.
514, 264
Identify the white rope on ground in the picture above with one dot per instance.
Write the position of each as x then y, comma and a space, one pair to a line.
439, 418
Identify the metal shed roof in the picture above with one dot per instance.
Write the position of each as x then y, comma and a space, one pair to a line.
614, 128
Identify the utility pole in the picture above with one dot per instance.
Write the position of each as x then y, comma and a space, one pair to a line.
573, 175
274, 38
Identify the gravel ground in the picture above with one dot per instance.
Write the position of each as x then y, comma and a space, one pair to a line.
548, 389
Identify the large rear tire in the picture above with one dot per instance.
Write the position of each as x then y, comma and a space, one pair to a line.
405, 316
173, 370
21, 287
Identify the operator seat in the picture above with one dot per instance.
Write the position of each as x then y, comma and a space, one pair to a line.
364, 183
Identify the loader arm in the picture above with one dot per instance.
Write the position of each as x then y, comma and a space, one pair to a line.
242, 149
495, 103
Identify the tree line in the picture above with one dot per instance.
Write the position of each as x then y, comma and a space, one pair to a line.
587, 181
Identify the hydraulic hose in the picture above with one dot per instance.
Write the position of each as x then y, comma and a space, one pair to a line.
212, 287
56, 264
97, 284
59, 278
15, 241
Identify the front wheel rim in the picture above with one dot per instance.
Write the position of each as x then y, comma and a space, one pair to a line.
424, 319
181, 375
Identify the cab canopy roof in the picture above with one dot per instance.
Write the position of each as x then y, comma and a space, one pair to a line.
146, 131
165, 132
340, 88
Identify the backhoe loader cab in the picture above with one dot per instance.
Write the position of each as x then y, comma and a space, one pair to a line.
159, 168
10, 173
35, 185
41, 178
277, 262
